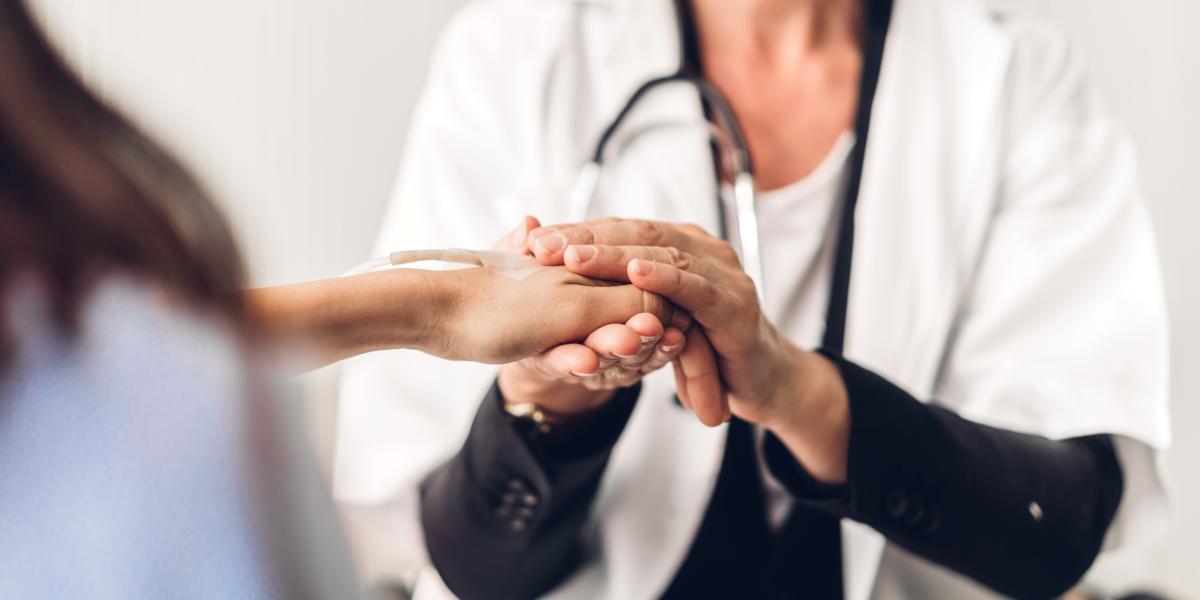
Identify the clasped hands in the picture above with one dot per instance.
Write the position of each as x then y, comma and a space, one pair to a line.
728, 359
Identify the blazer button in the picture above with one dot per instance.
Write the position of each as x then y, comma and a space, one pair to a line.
896, 503
933, 522
915, 515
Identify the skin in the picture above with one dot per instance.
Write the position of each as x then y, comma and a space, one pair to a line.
790, 71
570, 323
573, 380
797, 394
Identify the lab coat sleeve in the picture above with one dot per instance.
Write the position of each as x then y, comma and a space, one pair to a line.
402, 413
1063, 332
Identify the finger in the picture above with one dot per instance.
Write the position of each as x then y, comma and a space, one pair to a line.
614, 304
650, 331
566, 361
647, 326
614, 343
702, 379
611, 263
548, 229
691, 292
548, 244
668, 348
681, 386
620, 376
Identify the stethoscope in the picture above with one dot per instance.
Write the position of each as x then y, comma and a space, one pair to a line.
732, 144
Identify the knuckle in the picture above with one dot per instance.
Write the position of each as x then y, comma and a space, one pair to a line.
686, 261
648, 231
654, 304
674, 255
726, 252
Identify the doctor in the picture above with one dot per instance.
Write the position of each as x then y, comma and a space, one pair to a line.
988, 403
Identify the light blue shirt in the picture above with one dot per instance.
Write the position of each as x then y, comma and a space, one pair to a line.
123, 453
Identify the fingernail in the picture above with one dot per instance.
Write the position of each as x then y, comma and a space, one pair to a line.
646, 339
583, 253
551, 244
643, 267
669, 349
584, 375
619, 355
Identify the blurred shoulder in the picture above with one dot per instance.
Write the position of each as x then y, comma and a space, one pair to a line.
131, 335
1037, 40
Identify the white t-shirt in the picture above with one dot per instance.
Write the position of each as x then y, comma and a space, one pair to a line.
796, 225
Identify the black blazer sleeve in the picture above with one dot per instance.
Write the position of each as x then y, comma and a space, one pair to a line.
1019, 513
503, 518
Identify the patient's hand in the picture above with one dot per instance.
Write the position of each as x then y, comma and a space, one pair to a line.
584, 337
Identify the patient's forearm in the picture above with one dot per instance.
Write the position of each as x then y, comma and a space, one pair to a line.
340, 318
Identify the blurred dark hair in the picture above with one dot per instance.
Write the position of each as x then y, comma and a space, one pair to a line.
84, 194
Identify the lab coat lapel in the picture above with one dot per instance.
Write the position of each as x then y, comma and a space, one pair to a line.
926, 172
658, 165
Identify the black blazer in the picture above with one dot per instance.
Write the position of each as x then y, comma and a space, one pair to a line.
1019, 513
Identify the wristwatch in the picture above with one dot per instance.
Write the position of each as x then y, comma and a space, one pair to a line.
531, 416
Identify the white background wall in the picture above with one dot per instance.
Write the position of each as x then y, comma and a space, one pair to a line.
294, 111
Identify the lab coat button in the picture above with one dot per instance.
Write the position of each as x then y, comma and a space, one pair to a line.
896, 503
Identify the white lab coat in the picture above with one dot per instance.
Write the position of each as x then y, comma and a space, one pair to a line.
1004, 264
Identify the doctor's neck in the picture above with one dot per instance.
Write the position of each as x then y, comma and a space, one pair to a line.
769, 26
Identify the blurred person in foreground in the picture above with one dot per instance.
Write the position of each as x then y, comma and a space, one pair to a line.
142, 450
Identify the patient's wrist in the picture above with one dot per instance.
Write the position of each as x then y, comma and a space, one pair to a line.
520, 383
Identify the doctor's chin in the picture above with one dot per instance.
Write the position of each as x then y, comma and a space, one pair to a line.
603, 299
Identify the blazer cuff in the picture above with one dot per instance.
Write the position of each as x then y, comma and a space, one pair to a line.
803, 487
887, 426
882, 417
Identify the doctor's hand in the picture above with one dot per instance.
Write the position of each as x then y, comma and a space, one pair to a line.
796, 394
577, 377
